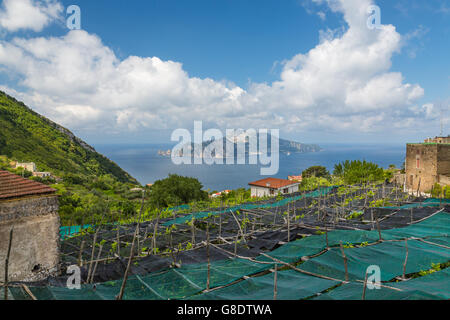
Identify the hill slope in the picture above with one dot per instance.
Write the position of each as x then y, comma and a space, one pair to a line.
27, 136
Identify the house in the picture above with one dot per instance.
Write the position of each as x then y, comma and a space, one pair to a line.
427, 163
438, 140
272, 187
31, 210
29, 166
218, 194
42, 174
295, 178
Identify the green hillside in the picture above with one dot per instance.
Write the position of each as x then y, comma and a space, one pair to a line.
30, 137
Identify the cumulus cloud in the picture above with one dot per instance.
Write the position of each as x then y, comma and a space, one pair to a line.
33, 15
344, 83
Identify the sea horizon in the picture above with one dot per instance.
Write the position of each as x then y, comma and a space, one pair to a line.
143, 162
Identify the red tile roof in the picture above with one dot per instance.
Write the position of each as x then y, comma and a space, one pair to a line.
13, 186
272, 183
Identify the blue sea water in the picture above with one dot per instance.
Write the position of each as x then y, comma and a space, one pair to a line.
143, 163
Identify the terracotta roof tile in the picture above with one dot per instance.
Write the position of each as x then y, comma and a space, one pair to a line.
13, 186
272, 183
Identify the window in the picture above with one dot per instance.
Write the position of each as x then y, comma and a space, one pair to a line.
285, 190
417, 162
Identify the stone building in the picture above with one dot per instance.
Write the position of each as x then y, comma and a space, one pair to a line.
31, 210
427, 163
29, 166
438, 140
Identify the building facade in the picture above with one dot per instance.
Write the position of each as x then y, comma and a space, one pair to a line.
438, 140
29, 166
31, 210
427, 164
272, 187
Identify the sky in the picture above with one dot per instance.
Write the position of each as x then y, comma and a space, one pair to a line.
139, 69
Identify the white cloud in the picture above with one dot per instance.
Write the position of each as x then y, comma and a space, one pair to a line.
322, 15
29, 14
344, 83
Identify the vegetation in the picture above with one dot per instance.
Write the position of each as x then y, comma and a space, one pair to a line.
316, 171
356, 172
176, 190
28, 136
90, 186
93, 189
439, 191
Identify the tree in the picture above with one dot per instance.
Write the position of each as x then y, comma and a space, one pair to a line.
357, 171
176, 190
316, 171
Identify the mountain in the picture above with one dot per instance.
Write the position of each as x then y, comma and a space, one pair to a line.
27, 136
285, 146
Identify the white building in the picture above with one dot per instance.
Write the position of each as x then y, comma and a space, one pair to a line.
273, 187
29, 166
42, 174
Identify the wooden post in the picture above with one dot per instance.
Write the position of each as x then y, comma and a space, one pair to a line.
118, 240
418, 187
371, 217
345, 261
275, 217
220, 225
208, 281
379, 230
275, 282
96, 264
235, 245
7, 263
364, 288
193, 230
80, 256
155, 233
406, 259
125, 278
127, 270
92, 255
288, 226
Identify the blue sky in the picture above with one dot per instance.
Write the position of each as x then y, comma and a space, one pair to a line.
242, 53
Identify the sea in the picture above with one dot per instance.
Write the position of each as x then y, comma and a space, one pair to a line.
144, 163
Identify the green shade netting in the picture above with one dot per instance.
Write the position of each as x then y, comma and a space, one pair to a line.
291, 285
389, 256
190, 280
435, 286
161, 286
249, 206
65, 232
435, 226
431, 202
294, 251
222, 272
10, 294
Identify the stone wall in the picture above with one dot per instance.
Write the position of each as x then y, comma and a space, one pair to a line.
444, 180
35, 245
443, 159
421, 166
